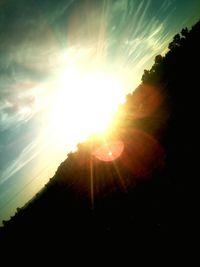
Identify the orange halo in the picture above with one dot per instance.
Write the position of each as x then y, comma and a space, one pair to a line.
109, 151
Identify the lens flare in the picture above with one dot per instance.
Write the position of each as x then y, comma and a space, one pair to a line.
109, 151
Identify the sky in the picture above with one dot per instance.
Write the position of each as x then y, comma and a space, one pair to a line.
43, 41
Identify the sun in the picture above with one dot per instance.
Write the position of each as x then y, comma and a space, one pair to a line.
85, 103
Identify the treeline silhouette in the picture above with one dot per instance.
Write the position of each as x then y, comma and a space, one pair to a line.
147, 191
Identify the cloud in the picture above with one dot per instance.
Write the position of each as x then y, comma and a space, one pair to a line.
165, 5
137, 33
20, 102
28, 153
9, 117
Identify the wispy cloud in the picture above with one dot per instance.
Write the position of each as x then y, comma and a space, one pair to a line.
138, 35
28, 153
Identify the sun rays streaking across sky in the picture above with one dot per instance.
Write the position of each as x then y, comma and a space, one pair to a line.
64, 68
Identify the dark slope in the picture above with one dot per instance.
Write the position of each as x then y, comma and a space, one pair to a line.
147, 191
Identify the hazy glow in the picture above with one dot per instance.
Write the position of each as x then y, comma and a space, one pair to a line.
85, 103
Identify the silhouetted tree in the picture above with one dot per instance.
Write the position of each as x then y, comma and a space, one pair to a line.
158, 59
185, 32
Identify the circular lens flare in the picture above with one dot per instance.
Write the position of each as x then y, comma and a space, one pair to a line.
109, 151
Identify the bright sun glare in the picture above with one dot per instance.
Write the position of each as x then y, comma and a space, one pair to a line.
84, 104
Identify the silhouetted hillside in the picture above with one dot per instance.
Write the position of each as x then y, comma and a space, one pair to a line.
145, 192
